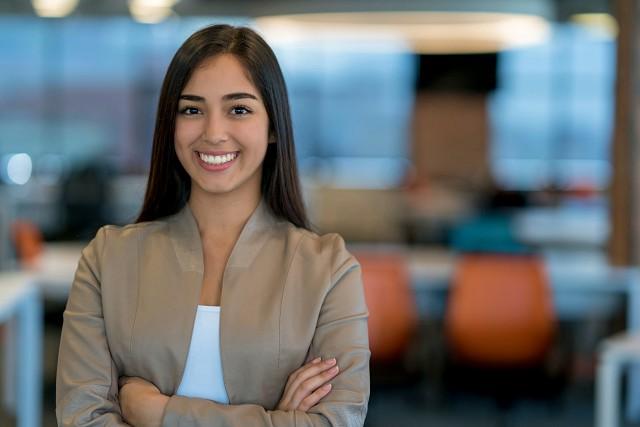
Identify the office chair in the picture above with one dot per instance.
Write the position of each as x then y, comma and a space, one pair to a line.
393, 318
27, 241
500, 326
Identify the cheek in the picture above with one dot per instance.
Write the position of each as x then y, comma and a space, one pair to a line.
255, 136
182, 156
182, 141
186, 132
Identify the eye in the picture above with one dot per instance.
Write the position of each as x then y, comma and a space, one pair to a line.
239, 110
190, 110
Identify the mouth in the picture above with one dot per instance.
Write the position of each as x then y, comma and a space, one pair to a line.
217, 158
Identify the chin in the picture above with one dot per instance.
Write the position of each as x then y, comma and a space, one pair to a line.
214, 189
218, 190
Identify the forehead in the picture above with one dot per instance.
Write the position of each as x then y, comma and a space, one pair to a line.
220, 74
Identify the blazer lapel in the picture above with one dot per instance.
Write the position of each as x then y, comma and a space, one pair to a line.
184, 295
170, 277
185, 237
250, 301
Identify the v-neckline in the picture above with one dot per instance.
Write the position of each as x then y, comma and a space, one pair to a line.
188, 243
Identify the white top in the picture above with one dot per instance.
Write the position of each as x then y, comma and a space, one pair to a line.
203, 372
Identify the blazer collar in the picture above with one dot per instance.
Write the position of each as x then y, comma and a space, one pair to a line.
185, 237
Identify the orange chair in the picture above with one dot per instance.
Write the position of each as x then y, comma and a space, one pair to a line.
27, 240
500, 327
393, 317
500, 311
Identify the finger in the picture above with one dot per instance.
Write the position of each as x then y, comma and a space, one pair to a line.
310, 385
305, 366
315, 397
307, 371
311, 370
292, 377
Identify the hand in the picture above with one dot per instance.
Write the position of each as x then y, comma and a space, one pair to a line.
308, 384
141, 402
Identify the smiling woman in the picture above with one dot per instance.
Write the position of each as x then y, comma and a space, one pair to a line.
219, 306
222, 125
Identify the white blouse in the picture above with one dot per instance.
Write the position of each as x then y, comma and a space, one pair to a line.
203, 372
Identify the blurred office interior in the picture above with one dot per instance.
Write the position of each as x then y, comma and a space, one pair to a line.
477, 155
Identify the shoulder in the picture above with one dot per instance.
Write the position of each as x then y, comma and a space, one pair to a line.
327, 249
119, 238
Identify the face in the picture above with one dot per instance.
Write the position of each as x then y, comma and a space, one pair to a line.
222, 129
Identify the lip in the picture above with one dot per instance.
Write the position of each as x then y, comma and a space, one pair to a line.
215, 168
217, 153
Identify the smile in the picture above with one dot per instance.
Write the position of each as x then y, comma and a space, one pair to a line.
218, 159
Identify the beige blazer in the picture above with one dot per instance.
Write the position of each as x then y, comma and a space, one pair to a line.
288, 295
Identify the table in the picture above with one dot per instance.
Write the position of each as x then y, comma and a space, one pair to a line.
565, 226
616, 354
21, 312
582, 281
55, 269
584, 285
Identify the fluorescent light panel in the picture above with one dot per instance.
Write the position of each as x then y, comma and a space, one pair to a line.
151, 11
54, 8
424, 32
602, 24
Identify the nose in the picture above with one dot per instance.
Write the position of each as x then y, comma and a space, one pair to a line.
215, 130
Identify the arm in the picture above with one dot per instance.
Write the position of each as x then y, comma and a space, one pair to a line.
341, 332
143, 404
87, 379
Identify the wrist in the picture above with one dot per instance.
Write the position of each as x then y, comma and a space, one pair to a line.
162, 402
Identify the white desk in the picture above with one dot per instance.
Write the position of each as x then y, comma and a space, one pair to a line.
563, 226
616, 354
21, 312
55, 269
583, 283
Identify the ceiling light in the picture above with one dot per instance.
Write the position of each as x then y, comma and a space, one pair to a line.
54, 8
151, 11
19, 168
602, 24
423, 31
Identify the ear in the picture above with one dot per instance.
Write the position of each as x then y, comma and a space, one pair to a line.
272, 138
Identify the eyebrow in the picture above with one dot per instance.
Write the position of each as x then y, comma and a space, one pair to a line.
227, 97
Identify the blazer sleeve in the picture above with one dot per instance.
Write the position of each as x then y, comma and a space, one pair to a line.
87, 379
341, 332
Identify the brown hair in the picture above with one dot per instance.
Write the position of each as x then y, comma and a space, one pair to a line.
169, 185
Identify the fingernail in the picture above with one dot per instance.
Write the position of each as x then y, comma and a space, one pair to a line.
316, 360
333, 370
330, 361
327, 386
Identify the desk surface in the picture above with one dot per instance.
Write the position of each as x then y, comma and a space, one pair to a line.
14, 288
583, 282
55, 269
576, 226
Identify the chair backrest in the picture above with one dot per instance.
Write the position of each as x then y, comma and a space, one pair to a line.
27, 240
500, 310
392, 312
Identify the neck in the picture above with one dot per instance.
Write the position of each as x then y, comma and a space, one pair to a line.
222, 215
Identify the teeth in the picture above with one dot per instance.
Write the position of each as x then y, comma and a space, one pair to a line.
217, 160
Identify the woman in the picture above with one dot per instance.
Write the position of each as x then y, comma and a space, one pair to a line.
218, 307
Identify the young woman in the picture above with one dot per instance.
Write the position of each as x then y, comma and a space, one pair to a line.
218, 307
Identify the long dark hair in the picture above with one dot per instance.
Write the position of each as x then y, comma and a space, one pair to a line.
169, 185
